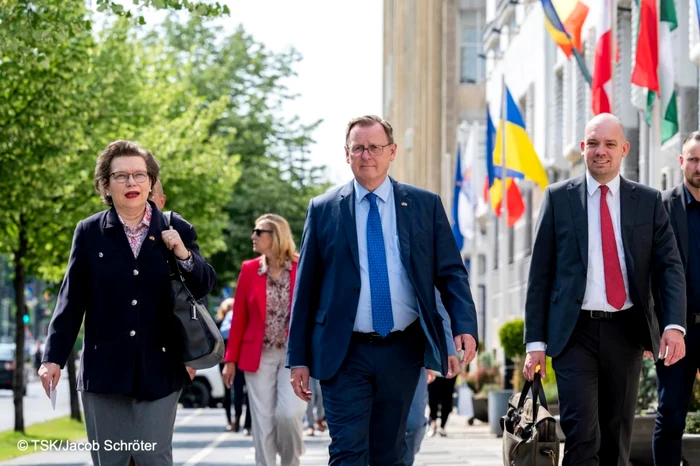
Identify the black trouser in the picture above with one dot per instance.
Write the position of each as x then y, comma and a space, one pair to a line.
239, 397
598, 378
675, 386
440, 397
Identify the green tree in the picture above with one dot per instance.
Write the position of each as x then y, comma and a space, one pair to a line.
45, 62
275, 173
57, 101
511, 335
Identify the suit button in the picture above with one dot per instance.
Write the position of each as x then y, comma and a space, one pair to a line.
579, 300
134, 302
357, 289
164, 349
99, 254
132, 333
136, 272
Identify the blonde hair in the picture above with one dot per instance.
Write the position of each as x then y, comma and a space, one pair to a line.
225, 306
283, 247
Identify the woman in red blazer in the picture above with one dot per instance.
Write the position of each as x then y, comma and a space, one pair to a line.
257, 342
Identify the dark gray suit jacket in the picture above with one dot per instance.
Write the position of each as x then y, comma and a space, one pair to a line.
675, 202
327, 288
559, 264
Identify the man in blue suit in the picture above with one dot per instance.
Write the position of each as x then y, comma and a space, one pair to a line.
364, 317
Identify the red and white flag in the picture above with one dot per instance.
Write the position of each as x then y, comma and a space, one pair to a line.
601, 86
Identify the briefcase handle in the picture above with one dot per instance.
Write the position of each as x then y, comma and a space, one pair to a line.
537, 395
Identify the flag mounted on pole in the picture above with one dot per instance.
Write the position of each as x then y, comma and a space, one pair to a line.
564, 20
521, 161
668, 21
601, 87
459, 238
653, 67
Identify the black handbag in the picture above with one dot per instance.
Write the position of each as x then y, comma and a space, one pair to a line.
203, 343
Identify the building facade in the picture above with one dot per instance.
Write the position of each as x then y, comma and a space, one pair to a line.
435, 83
434, 89
555, 101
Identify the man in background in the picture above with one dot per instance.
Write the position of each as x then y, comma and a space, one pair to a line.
158, 196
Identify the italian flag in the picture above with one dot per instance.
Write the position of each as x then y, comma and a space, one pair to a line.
653, 67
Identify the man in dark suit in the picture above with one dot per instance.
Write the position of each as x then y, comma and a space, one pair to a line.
600, 238
364, 318
675, 383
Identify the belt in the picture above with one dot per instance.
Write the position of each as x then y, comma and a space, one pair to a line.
374, 337
603, 315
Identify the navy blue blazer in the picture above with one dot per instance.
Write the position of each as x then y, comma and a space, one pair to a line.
132, 345
327, 289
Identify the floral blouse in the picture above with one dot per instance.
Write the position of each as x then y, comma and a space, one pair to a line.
278, 307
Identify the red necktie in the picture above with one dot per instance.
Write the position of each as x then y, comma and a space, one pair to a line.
614, 285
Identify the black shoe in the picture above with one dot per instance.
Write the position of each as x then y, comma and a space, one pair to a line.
246, 432
236, 425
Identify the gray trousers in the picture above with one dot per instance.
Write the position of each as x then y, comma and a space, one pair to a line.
121, 428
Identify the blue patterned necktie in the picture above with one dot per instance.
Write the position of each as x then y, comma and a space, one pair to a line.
382, 317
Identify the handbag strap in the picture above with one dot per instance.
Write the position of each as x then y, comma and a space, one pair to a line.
538, 397
173, 260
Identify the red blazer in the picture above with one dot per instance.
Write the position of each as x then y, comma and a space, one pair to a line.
245, 339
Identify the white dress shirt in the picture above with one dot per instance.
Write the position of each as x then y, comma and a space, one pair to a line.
595, 297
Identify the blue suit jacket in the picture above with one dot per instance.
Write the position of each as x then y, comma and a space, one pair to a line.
119, 295
327, 289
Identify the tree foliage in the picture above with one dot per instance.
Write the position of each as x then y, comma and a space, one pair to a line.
275, 173
203, 102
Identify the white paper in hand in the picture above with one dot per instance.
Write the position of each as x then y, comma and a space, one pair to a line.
52, 394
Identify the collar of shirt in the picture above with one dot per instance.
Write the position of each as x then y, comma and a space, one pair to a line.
262, 269
592, 184
689, 198
383, 191
145, 222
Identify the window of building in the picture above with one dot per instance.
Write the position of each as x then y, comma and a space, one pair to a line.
496, 242
472, 68
482, 264
511, 245
528, 220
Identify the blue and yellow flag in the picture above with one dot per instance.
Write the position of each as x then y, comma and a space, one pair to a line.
521, 159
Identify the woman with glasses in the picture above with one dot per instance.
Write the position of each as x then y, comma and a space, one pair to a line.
257, 342
118, 280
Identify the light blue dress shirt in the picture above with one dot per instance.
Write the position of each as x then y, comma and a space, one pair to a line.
404, 304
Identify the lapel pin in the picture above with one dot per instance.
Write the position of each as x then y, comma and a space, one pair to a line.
404, 204
151, 238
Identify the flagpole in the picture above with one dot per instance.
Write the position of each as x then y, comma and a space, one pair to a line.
655, 128
613, 52
504, 200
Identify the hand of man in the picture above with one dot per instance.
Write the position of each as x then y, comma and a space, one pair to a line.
229, 373
649, 355
467, 343
532, 360
300, 383
49, 372
430, 376
453, 366
672, 347
191, 372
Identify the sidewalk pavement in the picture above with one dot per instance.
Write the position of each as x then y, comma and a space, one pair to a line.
200, 440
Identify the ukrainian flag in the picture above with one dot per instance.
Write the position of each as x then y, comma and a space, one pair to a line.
564, 21
521, 159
